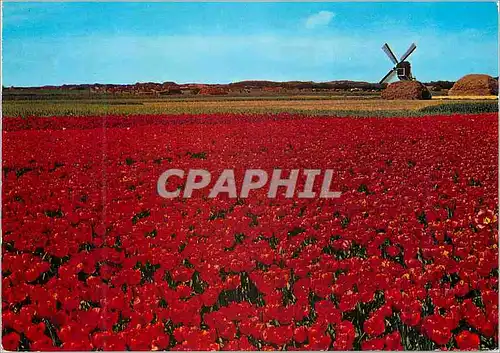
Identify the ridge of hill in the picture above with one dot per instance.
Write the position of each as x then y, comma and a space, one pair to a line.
173, 88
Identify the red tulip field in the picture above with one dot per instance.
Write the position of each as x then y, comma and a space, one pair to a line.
93, 258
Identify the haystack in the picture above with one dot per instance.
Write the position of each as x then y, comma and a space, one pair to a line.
475, 85
406, 90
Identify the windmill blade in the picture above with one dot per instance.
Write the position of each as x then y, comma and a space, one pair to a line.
409, 51
389, 53
389, 76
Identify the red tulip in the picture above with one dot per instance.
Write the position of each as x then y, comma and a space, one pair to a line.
467, 340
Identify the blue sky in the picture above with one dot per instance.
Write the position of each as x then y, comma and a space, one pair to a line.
56, 43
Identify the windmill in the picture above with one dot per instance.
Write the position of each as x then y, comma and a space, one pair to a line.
402, 67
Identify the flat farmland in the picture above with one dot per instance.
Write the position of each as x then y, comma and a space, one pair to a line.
300, 104
93, 258
309, 105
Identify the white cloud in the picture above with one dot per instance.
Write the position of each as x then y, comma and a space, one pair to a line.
321, 18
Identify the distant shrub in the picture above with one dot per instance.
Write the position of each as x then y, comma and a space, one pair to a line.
441, 84
465, 108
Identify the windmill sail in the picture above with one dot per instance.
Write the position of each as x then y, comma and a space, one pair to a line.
389, 53
409, 51
389, 76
